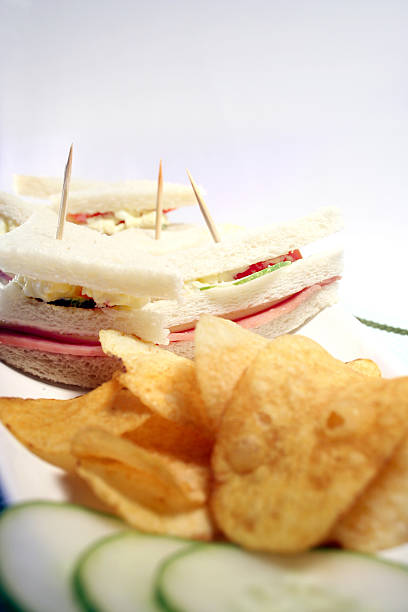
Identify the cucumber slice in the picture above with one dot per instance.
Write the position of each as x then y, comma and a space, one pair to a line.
246, 279
223, 577
39, 543
117, 574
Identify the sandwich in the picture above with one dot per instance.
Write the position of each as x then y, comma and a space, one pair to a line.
108, 207
13, 212
259, 279
65, 292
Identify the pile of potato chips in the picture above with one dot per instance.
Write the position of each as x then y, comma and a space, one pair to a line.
275, 445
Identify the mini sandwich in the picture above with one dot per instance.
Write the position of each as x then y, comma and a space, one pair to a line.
108, 207
64, 291
13, 212
256, 278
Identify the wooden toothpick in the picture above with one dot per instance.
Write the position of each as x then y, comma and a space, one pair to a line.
159, 202
205, 212
64, 196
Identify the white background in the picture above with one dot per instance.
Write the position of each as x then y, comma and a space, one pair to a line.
276, 107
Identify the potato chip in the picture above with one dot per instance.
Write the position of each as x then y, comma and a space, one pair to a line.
379, 517
301, 438
223, 350
368, 367
163, 381
182, 441
196, 523
46, 426
168, 483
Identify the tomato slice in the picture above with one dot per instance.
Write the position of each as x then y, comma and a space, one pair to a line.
261, 265
83, 217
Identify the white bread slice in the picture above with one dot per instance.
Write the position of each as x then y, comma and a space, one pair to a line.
17, 310
43, 186
103, 196
141, 197
85, 258
288, 322
267, 289
192, 250
74, 371
176, 237
15, 209
242, 249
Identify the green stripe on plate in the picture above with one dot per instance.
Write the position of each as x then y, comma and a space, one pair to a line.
383, 327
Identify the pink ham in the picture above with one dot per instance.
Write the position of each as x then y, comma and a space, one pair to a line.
34, 343
31, 330
4, 277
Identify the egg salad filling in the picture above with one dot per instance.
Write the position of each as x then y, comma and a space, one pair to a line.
63, 294
6, 224
116, 221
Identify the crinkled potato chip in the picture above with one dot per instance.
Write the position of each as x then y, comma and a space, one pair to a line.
46, 426
112, 488
163, 381
368, 367
182, 441
223, 350
379, 517
195, 523
301, 438
235, 348
169, 483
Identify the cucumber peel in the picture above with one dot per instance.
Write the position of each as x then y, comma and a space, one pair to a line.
250, 277
224, 577
66, 558
117, 573
39, 544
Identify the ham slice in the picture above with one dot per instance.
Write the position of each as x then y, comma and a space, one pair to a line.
4, 277
35, 343
50, 345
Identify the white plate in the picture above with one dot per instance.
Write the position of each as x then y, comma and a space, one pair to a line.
24, 476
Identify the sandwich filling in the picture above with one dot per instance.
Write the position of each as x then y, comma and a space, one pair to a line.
113, 222
63, 294
6, 224
246, 274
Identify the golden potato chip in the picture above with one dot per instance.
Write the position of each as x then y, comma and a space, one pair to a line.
46, 426
167, 482
368, 367
182, 441
223, 350
235, 348
163, 381
379, 517
301, 438
112, 490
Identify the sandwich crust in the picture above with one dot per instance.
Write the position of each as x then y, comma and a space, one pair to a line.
70, 370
